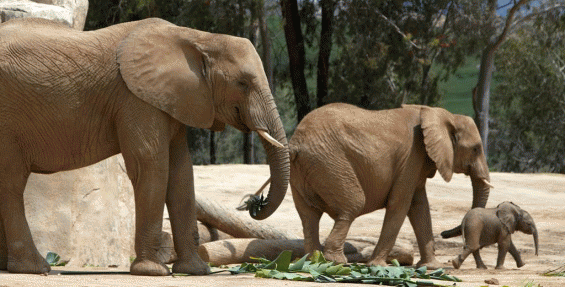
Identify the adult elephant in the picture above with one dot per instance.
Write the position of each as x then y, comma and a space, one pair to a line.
69, 99
347, 161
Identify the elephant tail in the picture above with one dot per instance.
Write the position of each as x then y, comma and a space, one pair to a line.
293, 150
457, 231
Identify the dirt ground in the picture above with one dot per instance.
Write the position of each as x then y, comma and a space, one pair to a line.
543, 195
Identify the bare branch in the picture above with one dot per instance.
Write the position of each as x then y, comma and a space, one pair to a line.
397, 29
508, 24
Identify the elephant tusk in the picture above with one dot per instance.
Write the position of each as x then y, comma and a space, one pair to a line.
487, 183
269, 138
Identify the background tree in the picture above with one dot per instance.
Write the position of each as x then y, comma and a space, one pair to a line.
529, 102
295, 47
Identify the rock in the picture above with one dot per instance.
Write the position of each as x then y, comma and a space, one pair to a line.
492, 281
84, 215
69, 12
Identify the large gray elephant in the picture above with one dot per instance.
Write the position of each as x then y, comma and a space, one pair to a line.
69, 99
347, 161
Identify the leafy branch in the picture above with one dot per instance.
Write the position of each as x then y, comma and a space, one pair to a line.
318, 269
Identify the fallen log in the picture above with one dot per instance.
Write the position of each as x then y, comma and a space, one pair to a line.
239, 250
228, 221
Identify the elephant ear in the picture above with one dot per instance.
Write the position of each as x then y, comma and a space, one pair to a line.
507, 213
165, 66
438, 130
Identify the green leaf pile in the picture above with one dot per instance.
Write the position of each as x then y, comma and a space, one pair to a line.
318, 269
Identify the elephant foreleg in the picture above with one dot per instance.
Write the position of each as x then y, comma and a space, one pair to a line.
181, 204
147, 165
503, 247
421, 221
516, 255
478, 260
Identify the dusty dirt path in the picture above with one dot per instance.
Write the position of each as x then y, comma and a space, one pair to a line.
543, 195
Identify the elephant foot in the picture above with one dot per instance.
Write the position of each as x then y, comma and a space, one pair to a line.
482, 267
431, 264
336, 257
34, 265
146, 267
195, 266
499, 268
520, 264
456, 262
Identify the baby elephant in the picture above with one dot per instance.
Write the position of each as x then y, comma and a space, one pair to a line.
485, 226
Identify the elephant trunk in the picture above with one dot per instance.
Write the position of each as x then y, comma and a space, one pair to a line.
536, 242
481, 191
480, 181
278, 160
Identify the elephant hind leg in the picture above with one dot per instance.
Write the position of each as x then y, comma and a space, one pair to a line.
333, 249
18, 253
457, 261
310, 218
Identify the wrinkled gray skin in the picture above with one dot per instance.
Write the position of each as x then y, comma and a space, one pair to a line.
486, 226
69, 99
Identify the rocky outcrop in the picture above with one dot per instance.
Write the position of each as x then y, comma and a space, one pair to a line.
85, 215
68, 12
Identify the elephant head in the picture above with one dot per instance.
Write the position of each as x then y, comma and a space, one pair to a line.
514, 218
207, 80
453, 142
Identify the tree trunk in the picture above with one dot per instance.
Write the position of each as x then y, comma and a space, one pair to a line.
481, 92
328, 7
232, 251
295, 47
212, 148
248, 148
228, 221
266, 44
425, 86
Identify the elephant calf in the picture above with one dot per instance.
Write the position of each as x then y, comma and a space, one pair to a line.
485, 226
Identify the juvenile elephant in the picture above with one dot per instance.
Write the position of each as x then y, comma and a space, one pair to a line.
485, 226
69, 99
347, 161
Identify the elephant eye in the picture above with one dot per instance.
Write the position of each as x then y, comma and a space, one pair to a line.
243, 85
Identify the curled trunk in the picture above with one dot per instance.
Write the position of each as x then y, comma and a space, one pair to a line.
279, 164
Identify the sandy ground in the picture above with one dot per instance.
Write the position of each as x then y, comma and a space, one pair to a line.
543, 195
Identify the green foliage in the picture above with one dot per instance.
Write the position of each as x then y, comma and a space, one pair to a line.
528, 107
318, 269
53, 259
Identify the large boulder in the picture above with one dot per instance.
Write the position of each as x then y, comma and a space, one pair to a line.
69, 12
84, 215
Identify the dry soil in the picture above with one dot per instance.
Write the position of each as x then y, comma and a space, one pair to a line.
543, 195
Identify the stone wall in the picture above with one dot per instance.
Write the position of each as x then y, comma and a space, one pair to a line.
69, 12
